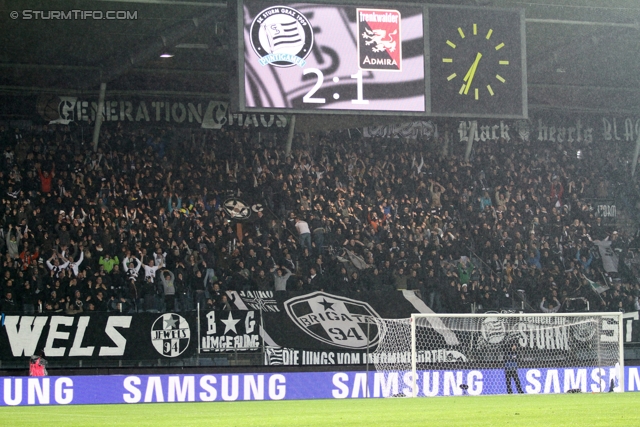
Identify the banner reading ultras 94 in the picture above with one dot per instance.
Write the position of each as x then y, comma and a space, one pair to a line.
300, 56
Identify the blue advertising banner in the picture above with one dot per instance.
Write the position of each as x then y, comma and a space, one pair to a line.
79, 390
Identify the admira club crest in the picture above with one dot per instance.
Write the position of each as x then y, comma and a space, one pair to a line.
170, 335
379, 39
334, 320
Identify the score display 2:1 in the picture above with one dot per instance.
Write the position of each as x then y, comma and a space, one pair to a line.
309, 99
306, 57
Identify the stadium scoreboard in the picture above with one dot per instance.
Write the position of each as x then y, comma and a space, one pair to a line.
404, 59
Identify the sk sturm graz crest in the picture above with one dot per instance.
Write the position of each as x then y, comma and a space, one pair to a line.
379, 40
493, 330
334, 320
281, 36
170, 334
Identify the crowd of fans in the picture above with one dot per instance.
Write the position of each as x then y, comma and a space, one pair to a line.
140, 224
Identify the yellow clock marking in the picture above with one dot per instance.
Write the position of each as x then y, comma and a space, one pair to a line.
462, 89
489, 33
451, 77
500, 46
475, 29
476, 94
451, 44
447, 59
503, 62
499, 77
461, 32
490, 90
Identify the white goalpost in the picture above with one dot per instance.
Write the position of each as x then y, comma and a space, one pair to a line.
434, 354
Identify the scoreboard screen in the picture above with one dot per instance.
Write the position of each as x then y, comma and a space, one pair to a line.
302, 56
330, 58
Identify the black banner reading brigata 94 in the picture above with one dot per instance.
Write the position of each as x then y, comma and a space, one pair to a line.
321, 328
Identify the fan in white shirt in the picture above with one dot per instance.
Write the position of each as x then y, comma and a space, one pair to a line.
74, 266
56, 267
150, 271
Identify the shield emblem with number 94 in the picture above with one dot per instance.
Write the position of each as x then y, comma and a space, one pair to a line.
170, 334
334, 320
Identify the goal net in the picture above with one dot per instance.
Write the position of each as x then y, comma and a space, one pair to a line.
457, 354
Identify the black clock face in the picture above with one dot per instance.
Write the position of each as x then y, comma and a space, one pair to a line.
476, 62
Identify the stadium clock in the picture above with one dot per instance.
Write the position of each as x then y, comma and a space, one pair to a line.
488, 67
477, 61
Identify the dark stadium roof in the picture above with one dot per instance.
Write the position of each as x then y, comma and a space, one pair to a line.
582, 55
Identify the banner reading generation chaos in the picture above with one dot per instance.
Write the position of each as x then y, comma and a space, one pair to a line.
329, 57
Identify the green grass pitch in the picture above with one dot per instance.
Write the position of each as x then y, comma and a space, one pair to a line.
606, 410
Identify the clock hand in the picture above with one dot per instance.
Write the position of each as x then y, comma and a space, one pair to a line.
473, 65
471, 73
